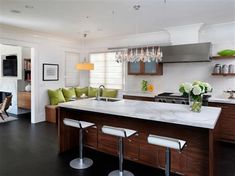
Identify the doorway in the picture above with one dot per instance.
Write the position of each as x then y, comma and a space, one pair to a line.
20, 85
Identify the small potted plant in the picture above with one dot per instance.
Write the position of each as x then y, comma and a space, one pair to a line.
195, 92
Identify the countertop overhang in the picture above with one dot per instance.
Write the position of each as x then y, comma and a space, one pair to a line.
152, 111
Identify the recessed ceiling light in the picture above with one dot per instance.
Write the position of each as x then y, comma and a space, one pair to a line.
29, 6
15, 11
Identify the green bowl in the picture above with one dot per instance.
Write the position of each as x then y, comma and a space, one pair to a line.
227, 52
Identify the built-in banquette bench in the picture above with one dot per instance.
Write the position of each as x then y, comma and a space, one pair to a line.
62, 95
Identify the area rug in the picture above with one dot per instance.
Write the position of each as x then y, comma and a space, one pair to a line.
7, 119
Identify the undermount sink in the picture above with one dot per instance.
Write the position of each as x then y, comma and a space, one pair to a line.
107, 99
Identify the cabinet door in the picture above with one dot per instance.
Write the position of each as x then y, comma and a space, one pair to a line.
134, 68
150, 67
24, 100
145, 68
107, 143
226, 126
178, 160
131, 148
153, 68
149, 154
90, 137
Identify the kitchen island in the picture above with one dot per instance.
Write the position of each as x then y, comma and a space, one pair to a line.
171, 120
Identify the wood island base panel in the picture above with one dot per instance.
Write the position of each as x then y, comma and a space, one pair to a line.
195, 159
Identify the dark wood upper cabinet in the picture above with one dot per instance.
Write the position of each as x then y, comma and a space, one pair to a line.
145, 68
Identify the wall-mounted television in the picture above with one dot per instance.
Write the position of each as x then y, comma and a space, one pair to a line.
9, 65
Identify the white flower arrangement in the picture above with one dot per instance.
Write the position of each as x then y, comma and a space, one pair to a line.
195, 92
196, 88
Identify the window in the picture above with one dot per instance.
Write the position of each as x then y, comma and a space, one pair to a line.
106, 71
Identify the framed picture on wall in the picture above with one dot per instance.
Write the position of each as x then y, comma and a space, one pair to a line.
50, 72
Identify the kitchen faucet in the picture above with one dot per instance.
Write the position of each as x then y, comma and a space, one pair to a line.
98, 93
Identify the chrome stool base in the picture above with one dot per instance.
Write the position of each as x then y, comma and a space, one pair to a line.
118, 173
81, 163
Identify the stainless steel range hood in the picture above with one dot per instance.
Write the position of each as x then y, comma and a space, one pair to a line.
198, 52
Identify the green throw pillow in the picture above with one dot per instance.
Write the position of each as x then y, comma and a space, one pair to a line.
68, 93
56, 96
79, 91
112, 93
92, 92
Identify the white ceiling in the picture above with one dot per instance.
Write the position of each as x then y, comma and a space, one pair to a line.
67, 18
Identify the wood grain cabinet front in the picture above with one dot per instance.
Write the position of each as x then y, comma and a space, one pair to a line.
141, 98
193, 160
155, 156
107, 143
131, 149
24, 100
149, 154
226, 122
90, 137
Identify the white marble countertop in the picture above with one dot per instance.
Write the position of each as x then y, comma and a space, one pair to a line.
153, 111
221, 100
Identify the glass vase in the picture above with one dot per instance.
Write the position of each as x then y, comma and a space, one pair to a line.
195, 103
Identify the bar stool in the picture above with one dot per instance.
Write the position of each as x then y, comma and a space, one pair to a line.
81, 162
169, 143
121, 133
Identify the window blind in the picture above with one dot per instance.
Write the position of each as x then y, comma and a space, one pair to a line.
71, 73
106, 71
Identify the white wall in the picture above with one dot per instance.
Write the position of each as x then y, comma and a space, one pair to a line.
47, 49
222, 36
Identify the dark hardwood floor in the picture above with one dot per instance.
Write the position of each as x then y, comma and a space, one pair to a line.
32, 150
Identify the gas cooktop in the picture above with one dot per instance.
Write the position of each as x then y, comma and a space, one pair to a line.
169, 97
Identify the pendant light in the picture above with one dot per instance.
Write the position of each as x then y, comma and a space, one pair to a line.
145, 53
85, 65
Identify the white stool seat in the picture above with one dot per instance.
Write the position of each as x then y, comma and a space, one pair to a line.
77, 124
120, 132
166, 142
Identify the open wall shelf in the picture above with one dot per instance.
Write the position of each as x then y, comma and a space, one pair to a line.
221, 74
27, 69
222, 57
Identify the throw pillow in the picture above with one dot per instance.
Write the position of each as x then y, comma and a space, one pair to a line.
56, 96
79, 91
112, 93
69, 93
92, 92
